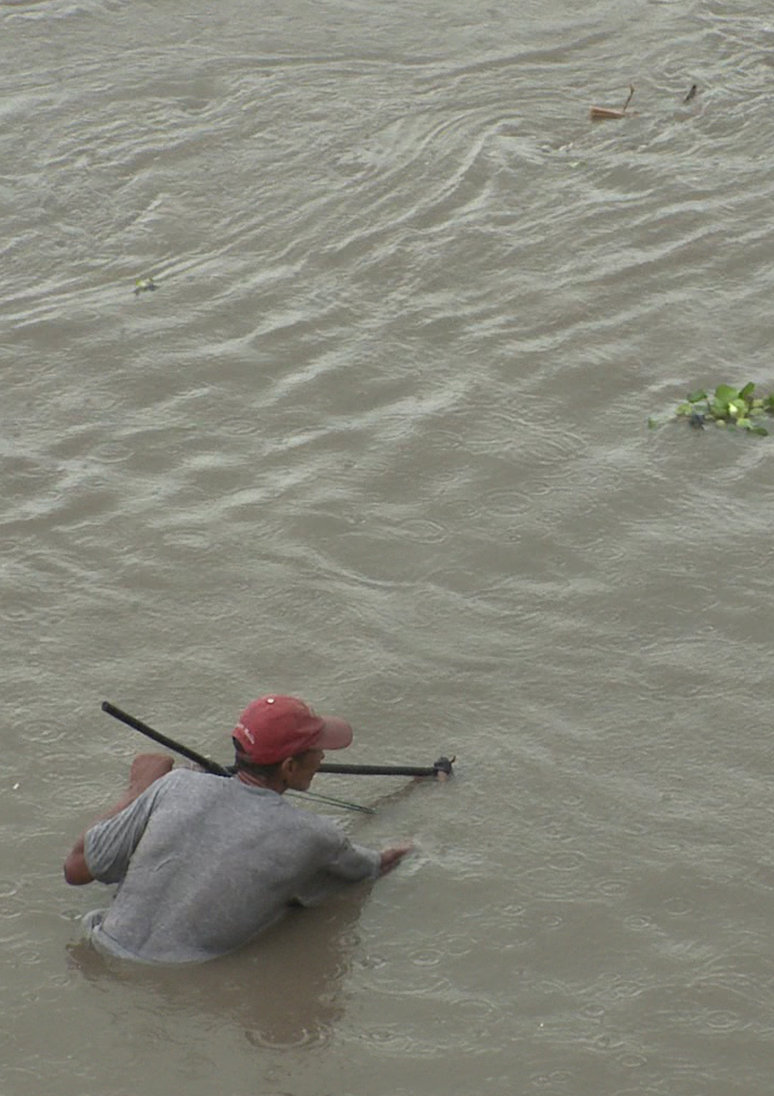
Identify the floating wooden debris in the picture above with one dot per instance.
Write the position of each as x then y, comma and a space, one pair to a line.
143, 285
691, 94
601, 113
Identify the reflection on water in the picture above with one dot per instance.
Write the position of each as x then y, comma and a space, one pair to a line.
285, 990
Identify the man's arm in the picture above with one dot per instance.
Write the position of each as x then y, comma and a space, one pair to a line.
146, 769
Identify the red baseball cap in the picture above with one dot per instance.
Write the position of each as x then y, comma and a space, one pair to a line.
275, 727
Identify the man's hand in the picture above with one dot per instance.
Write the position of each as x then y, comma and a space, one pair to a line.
146, 770
393, 855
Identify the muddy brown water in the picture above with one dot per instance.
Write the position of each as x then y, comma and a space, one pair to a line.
379, 437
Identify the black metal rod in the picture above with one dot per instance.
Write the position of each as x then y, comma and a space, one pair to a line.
385, 770
205, 762
442, 765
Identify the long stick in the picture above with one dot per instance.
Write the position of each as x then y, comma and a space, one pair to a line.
443, 765
205, 762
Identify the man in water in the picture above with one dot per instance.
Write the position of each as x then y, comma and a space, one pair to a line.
204, 863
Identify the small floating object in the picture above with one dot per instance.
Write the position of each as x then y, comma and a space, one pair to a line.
691, 94
143, 285
728, 406
601, 113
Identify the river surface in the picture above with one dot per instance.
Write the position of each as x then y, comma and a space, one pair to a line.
379, 437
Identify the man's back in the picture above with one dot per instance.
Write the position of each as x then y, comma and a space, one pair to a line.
206, 863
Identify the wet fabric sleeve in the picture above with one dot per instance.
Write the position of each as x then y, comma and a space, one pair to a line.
353, 862
348, 863
108, 845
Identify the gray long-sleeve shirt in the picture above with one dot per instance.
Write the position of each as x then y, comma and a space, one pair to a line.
205, 863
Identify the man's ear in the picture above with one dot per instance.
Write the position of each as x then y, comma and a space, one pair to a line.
287, 768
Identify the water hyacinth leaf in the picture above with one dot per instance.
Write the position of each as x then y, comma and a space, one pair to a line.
727, 407
724, 393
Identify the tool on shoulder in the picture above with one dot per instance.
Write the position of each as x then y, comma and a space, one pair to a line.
440, 769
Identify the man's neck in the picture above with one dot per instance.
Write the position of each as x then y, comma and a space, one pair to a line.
277, 785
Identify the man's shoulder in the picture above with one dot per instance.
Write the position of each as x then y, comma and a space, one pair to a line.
322, 827
191, 786
191, 778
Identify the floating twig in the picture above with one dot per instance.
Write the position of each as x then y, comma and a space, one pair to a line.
691, 94
600, 113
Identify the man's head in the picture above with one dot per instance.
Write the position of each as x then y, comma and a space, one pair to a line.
276, 729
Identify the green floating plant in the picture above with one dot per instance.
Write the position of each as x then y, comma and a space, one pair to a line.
143, 285
735, 408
